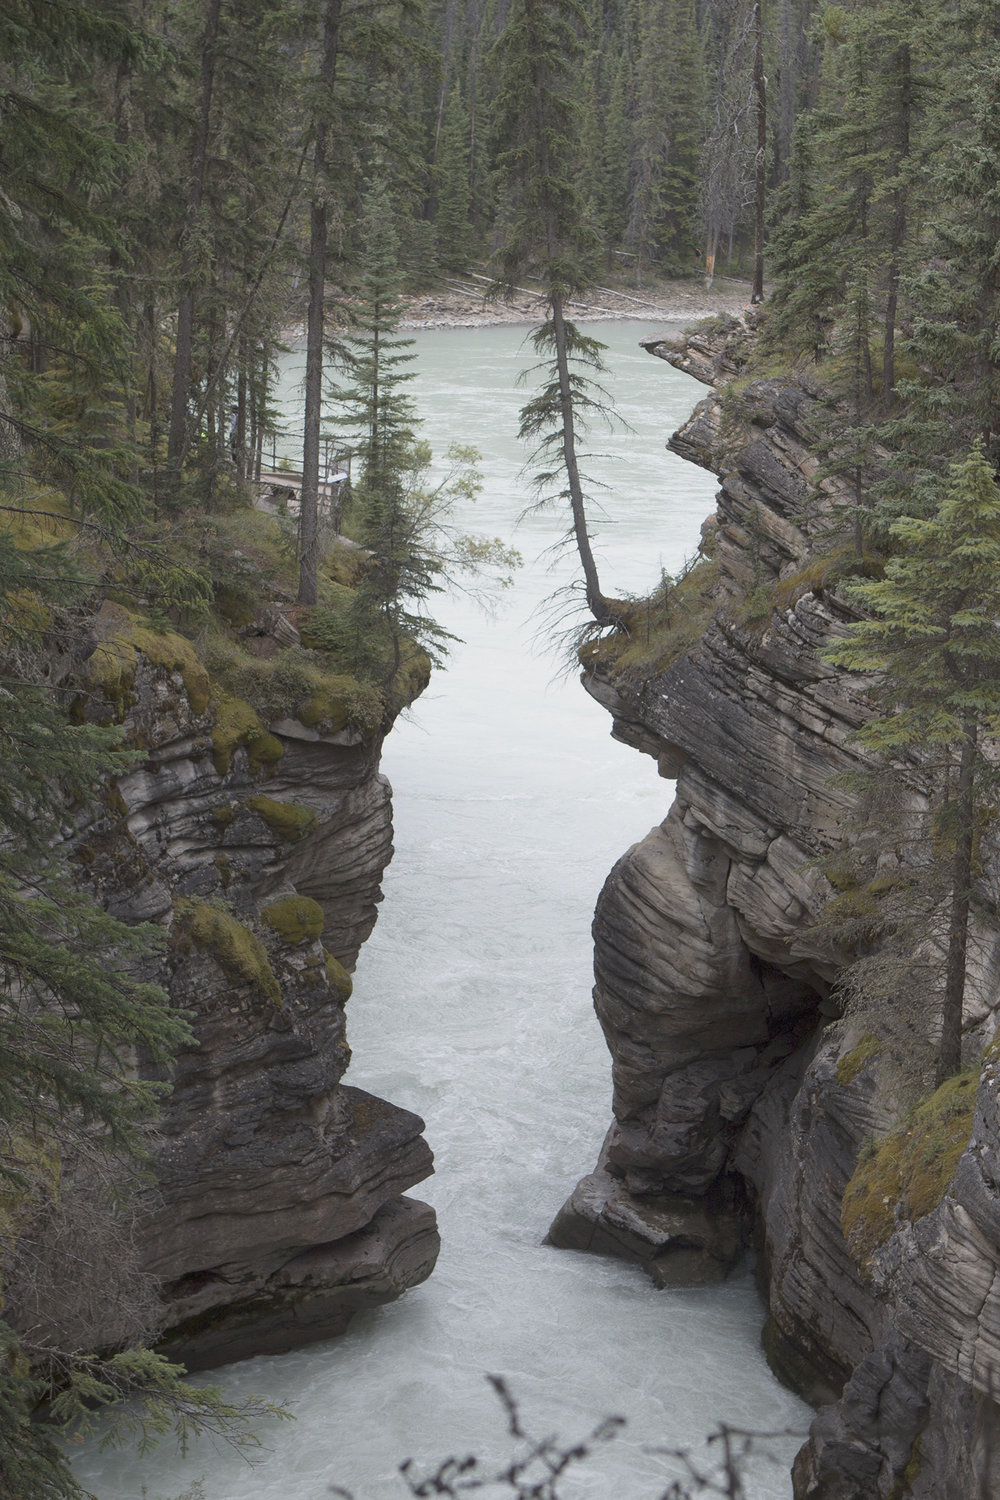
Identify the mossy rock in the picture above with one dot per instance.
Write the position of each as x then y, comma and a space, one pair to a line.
289, 820
234, 606
338, 976
238, 726
112, 667
854, 1062
238, 951
657, 632
328, 706
410, 681
906, 1175
296, 919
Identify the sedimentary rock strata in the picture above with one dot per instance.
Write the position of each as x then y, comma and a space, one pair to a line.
259, 851
735, 1082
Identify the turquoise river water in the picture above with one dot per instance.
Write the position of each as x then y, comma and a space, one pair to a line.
472, 1007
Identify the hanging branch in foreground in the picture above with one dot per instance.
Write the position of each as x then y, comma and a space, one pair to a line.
539, 1466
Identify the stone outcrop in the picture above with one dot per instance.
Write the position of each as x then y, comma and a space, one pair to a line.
742, 1099
259, 851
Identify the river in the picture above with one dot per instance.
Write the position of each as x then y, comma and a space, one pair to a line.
472, 1007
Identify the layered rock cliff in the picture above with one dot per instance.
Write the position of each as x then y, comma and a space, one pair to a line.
742, 1098
258, 849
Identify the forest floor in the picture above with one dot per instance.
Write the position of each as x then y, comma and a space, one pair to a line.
458, 302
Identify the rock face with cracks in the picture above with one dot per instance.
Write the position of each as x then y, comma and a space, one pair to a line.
281, 1207
742, 1101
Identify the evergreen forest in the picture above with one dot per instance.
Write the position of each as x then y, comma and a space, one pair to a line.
184, 182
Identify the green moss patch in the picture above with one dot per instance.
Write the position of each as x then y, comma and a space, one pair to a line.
658, 631
289, 820
338, 976
237, 726
854, 1062
237, 950
296, 919
905, 1177
327, 707
112, 667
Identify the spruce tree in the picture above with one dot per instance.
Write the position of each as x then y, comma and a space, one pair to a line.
933, 640
399, 516
452, 224
667, 136
538, 64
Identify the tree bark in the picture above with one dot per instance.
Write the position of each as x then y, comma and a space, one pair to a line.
710, 247
950, 1051
309, 494
898, 232
596, 602
177, 433
760, 190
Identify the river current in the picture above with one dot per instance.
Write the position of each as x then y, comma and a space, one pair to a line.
472, 1007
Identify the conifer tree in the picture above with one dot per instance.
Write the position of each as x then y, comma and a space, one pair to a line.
538, 61
933, 641
452, 224
400, 517
668, 131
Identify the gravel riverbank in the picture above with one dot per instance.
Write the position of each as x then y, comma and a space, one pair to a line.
460, 304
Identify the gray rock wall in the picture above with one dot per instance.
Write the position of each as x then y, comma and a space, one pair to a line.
717, 999
281, 1191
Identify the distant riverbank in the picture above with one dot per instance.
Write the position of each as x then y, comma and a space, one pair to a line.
459, 303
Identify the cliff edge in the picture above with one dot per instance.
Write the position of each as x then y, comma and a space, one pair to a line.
743, 1098
257, 844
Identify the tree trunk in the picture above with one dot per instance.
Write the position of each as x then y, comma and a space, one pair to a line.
950, 1052
309, 494
760, 96
898, 233
596, 602
176, 437
710, 248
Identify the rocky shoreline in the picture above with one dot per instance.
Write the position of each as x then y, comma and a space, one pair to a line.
456, 304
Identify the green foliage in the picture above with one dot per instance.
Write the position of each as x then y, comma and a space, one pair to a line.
907, 1175
853, 1063
401, 517
537, 59
658, 631
452, 222
933, 642
668, 132
338, 976
289, 820
238, 726
932, 634
238, 951
296, 919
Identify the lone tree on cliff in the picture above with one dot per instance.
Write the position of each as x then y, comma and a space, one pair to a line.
935, 641
539, 66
